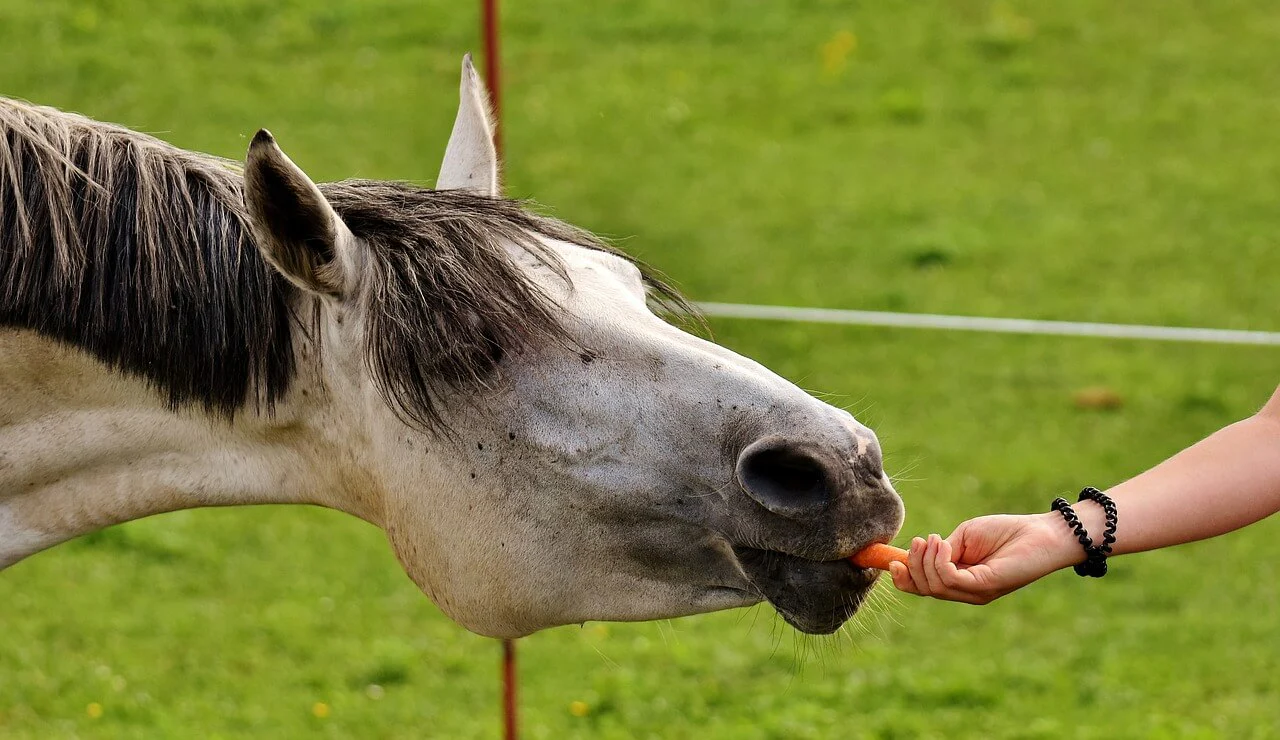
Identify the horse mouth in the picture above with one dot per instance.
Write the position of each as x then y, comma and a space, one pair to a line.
815, 597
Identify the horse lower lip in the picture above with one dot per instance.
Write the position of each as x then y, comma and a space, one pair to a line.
813, 596
727, 597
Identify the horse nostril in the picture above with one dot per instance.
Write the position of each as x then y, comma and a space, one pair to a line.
783, 478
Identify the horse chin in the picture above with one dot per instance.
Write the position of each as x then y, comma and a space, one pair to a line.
815, 597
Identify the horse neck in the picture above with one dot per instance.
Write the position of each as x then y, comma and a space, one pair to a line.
83, 448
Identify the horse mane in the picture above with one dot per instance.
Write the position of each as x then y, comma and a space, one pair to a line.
140, 254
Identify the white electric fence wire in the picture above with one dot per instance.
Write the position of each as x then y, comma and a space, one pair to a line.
979, 323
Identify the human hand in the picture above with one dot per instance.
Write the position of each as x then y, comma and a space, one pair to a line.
986, 558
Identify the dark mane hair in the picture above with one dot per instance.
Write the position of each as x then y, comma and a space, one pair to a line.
139, 253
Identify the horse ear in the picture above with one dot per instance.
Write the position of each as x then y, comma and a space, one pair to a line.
471, 159
296, 229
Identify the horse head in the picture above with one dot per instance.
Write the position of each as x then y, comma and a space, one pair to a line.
540, 446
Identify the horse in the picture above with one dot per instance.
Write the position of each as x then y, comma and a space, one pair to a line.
505, 395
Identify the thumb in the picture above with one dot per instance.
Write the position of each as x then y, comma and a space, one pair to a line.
961, 545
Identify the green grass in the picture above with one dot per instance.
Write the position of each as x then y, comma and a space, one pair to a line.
1084, 160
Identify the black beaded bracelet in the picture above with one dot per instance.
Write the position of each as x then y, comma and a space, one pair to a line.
1095, 562
1108, 508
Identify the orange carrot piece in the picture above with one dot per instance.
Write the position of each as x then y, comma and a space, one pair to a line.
879, 556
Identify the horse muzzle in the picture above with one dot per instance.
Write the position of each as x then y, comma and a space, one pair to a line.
819, 497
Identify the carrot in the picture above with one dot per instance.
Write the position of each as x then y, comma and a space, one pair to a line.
878, 556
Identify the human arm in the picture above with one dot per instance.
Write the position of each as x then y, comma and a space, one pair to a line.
1222, 483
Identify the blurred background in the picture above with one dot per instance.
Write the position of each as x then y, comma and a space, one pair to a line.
1087, 161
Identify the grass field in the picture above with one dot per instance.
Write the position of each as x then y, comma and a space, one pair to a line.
1082, 161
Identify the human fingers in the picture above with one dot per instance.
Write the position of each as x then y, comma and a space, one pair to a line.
902, 579
948, 573
903, 582
954, 579
929, 563
915, 564
910, 578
